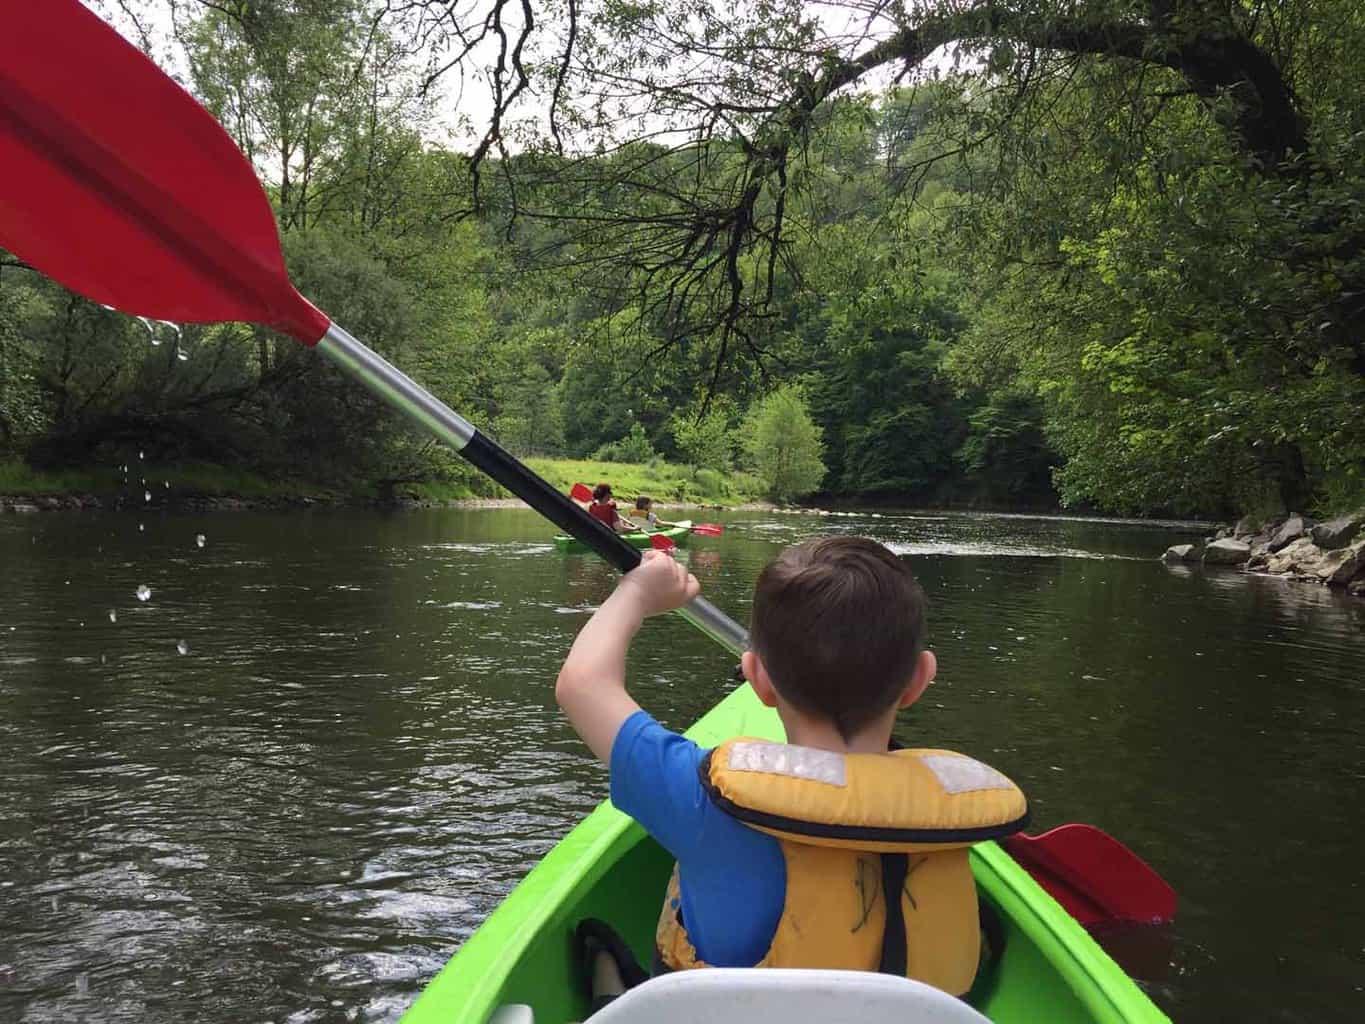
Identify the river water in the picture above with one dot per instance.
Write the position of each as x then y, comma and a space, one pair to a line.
286, 785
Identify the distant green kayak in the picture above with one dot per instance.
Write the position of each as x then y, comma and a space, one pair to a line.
679, 534
607, 867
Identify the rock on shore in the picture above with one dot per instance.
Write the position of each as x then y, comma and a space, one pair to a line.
1331, 553
1227, 551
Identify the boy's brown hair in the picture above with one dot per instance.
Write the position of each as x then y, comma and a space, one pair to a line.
839, 623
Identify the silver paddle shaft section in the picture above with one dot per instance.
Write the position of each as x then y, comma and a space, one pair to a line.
396, 388
418, 404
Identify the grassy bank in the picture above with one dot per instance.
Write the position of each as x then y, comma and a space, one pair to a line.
660, 480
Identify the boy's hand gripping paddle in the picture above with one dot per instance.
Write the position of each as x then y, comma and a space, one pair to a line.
116, 183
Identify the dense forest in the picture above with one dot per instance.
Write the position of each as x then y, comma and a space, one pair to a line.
1108, 255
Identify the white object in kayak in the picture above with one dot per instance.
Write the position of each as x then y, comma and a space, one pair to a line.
719, 995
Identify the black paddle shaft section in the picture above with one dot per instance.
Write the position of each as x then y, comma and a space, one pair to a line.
559, 508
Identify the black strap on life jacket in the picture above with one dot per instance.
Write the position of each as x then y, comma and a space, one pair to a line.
895, 957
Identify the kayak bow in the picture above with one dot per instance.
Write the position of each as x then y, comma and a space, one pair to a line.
608, 867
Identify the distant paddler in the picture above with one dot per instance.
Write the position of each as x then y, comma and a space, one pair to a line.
644, 507
603, 508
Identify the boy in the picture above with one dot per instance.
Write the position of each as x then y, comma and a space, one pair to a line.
785, 851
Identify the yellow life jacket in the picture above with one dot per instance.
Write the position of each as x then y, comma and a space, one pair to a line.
853, 827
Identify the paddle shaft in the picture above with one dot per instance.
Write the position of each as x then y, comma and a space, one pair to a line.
423, 408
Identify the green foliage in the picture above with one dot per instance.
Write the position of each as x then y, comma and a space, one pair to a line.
23, 414
1092, 279
1006, 450
663, 481
784, 444
634, 447
706, 439
1185, 361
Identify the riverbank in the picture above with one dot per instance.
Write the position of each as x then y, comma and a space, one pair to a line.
202, 486
1331, 552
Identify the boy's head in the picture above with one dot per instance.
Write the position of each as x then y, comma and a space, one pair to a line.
642, 503
838, 624
601, 493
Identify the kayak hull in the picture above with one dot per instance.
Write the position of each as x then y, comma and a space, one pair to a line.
678, 534
608, 867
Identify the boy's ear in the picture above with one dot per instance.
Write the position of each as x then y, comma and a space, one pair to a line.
752, 667
926, 665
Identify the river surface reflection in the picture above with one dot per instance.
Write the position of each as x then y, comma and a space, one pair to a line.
357, 754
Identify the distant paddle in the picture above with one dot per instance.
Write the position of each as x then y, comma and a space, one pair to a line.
582, 492
115, 182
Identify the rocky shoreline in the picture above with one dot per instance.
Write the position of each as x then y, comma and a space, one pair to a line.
1331, 553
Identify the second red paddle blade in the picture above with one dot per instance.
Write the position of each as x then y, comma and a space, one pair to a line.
661, 543
120, 186
1094, 875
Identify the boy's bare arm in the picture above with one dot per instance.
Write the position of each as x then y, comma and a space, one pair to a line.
592, 684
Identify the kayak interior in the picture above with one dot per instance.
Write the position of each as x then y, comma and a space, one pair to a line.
609, 868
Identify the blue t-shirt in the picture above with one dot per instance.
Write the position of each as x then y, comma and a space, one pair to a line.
733, 878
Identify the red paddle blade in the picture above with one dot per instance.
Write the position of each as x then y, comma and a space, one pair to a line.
661, 543
1094, 876
120, 186
581, 492
708, 529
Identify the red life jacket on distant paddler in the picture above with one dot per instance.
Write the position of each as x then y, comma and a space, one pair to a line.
604, 512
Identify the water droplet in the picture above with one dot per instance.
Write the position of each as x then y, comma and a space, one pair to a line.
199, 539
56, 902
140, 457
113, 615
166, 484
183, 647
146, 495
143, 592
155, 341
182, 355
140, 528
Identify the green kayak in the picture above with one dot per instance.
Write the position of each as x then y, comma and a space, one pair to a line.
608, 867
678, 533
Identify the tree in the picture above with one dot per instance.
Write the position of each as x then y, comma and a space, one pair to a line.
784, 445
739, 85
706, 438
22, 411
